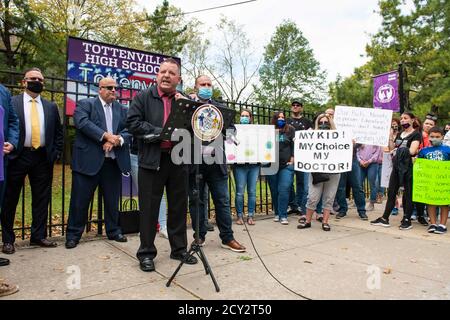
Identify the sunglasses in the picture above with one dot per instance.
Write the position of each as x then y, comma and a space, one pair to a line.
297, 105
430, 117
34, 79
110, 88
324, 122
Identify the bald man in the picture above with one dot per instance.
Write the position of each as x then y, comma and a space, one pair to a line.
100, 156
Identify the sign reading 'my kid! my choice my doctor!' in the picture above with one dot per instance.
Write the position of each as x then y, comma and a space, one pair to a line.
328, 151
88, 62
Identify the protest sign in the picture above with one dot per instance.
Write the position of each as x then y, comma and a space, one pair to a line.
369, 126
256, 144
386, 169
328, 151
431, 182
89, 61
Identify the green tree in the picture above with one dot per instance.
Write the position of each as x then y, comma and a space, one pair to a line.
289, 69
18, 28
167, 32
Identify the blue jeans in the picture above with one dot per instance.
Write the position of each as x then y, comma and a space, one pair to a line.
357, 190
246, 175
370, 173
380, 189
218, 187
162, 219
299, 197
280, 187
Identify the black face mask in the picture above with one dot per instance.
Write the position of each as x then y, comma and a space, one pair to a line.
324, 126
35, 86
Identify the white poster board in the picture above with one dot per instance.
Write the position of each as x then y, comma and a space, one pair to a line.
386, 169
328, 151
369, 126
256, 144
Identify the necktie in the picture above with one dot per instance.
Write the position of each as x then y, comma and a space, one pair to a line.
108, 116
35, 126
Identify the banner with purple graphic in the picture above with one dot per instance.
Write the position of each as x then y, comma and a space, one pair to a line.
385, 91
90, 61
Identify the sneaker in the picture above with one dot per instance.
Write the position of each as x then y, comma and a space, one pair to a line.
284, 221
440, 229
394, 212
432, 228
234, 246
363, 216
294, 211
423, 221
163, 233
380, 222
406, 224
370, 206
341, 215
413, 218
276, 219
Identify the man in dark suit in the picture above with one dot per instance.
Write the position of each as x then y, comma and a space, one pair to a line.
40, 145
148, 113
100, 156
9, 137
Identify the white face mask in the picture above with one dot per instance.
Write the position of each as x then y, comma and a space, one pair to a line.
436, 142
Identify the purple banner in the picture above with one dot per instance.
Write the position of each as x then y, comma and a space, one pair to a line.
385, 91
91, 61
2, 141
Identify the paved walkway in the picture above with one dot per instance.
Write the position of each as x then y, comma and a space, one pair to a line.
353, 261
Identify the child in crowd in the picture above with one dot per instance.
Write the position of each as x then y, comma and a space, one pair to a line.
437, 152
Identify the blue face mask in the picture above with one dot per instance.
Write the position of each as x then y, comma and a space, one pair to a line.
281, 123
205, 93
245, 120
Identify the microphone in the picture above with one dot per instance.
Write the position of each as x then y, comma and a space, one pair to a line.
149, 138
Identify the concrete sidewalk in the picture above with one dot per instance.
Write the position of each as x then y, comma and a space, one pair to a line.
353, 261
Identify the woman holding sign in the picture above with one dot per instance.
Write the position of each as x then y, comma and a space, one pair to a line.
245, 174
406, 147
280, 183
321, 185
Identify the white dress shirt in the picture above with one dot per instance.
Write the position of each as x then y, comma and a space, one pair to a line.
27, 113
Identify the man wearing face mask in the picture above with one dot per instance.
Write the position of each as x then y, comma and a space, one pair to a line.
215, 176
40, 145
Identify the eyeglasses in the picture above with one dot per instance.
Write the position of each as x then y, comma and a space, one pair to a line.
34, 79
394, 128
110, 88
431, 117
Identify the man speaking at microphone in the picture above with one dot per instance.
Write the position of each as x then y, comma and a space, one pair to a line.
147, 115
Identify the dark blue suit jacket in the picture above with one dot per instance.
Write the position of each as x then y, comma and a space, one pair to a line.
88, 155
53, 129
10, 120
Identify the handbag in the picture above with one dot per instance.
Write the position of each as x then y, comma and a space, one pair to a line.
319, 177
129, 217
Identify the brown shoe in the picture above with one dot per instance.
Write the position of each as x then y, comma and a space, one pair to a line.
43, 243
8, 248
233, 245
7, 289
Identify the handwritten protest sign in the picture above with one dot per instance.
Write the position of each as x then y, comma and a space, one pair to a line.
256, 144
431, 182
328, 151
386, 169
369, 126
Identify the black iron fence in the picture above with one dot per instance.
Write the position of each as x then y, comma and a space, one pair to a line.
57, 90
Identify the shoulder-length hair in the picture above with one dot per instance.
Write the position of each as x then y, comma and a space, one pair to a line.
249, 112
330, 120
274, 120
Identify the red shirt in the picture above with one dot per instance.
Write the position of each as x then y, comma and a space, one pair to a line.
167, 101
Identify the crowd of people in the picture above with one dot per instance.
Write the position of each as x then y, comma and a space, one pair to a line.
112, 140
